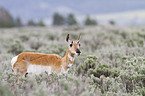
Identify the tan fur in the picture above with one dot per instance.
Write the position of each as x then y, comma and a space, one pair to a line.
55, 61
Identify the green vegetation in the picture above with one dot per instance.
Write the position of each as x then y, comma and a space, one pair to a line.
70, 20
112, 62
33, 23
112, 22
90, 21
58, 19
18, 22
6, 20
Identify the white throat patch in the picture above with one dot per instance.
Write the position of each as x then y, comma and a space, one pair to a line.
70, 57
71, 50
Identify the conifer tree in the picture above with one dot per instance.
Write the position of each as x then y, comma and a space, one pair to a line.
58, 19
6, 20
90, 21
70, 20
18, 22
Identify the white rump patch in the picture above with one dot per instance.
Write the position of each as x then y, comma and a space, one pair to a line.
38, 69
13, 61
70, 57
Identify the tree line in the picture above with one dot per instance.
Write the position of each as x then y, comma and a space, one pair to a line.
6, 20
59, 19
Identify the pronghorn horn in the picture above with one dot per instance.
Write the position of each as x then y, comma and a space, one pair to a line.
67, 38
79, 37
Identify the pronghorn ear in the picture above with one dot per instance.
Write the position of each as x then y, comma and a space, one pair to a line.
78, 37
67, 38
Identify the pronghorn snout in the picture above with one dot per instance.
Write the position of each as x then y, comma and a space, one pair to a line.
78, 52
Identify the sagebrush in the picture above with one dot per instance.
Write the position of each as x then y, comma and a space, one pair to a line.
112, 62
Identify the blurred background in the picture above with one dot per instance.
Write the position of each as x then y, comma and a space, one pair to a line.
65, 12
112, 60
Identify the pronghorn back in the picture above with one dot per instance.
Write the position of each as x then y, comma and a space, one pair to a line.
39, 58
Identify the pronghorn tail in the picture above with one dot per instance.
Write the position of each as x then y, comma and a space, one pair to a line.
13, 61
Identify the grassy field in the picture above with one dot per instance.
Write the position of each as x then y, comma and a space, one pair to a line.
112, 62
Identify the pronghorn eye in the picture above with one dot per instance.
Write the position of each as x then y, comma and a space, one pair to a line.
70, 45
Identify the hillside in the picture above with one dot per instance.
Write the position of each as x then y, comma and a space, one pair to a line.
112, 61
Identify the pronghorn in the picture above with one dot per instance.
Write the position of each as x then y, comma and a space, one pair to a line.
37, 63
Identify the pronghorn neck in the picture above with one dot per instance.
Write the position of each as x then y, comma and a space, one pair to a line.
68, 59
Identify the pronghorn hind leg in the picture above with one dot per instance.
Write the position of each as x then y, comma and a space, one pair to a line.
20, 68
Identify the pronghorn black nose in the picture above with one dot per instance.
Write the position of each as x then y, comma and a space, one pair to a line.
78, 51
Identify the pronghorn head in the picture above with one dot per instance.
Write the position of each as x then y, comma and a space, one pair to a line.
74, 45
